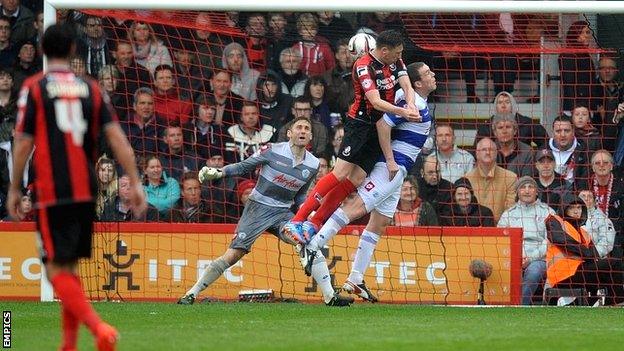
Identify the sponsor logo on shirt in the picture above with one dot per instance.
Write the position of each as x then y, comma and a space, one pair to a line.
369, 186
347, 151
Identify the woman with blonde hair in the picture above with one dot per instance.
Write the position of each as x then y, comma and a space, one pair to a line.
149, 52
106, 182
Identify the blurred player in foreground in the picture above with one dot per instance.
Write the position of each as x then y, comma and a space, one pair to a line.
63, 115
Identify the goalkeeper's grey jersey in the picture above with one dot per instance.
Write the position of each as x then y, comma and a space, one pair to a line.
280, 182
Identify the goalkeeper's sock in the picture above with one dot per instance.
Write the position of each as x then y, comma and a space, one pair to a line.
334, 224
320, 273
363, 256
68, 289
70, 329
210, 274
313, 201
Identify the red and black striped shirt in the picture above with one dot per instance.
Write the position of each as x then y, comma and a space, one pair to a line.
65, 115
369, 74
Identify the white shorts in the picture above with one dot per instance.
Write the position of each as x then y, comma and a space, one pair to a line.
380, 194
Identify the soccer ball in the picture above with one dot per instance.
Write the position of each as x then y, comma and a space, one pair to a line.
361, 44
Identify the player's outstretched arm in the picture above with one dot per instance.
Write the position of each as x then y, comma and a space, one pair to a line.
209, 173
125, 156
384, 133
384, 106
409, 93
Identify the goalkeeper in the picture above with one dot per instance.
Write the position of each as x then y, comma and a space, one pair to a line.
286, 172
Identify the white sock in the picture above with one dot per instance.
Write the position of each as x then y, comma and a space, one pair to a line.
334, 224
320, 273
210, 274
363, 256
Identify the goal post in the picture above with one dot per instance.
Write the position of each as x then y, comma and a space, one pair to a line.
414, 262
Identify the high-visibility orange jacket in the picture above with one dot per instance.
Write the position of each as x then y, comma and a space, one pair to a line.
562, 264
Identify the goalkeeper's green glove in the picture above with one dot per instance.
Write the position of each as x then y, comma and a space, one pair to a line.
209, 173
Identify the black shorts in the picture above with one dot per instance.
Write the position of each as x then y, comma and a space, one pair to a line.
66, 231
360, 145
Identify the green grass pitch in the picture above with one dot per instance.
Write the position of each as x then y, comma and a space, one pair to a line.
283, 326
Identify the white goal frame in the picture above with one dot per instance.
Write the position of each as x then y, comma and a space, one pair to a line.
50, 7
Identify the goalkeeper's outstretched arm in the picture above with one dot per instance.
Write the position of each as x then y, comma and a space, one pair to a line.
248, 165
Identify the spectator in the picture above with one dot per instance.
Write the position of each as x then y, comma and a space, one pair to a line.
221, 193
109, 82
302, 107
243, 190
176, 159
93, 47
192, 78
552, 189
333, 28
255, 42
21, 18
598, 226
457, 28
6, 168
191, 208
8, 105
454, 162
529, 131
411, 210
25, 211
132, 76
248, 136
274, 104
608, 190
340, 91
317, 55
162, 191
143, 127
202, 135
279, 38
106, 183
493, 185
228, 104
584, 131
576, 69
315, 91
119, 208
380, 21
167, 101
573, 261
208, 43
464, 210
513, 155
293, 78
8, 50
27, 64
607, 92
432, 188
36, 38
244, 78
503, 29
149, 52
570, 156
78, 66
529, 214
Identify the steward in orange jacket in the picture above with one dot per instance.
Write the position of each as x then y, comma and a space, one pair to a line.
571, 257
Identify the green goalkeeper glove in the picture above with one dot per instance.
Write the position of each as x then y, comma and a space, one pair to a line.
209, 173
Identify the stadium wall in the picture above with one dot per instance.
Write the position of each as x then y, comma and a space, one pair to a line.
158, 262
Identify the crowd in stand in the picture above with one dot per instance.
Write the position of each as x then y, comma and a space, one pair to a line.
199, 98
